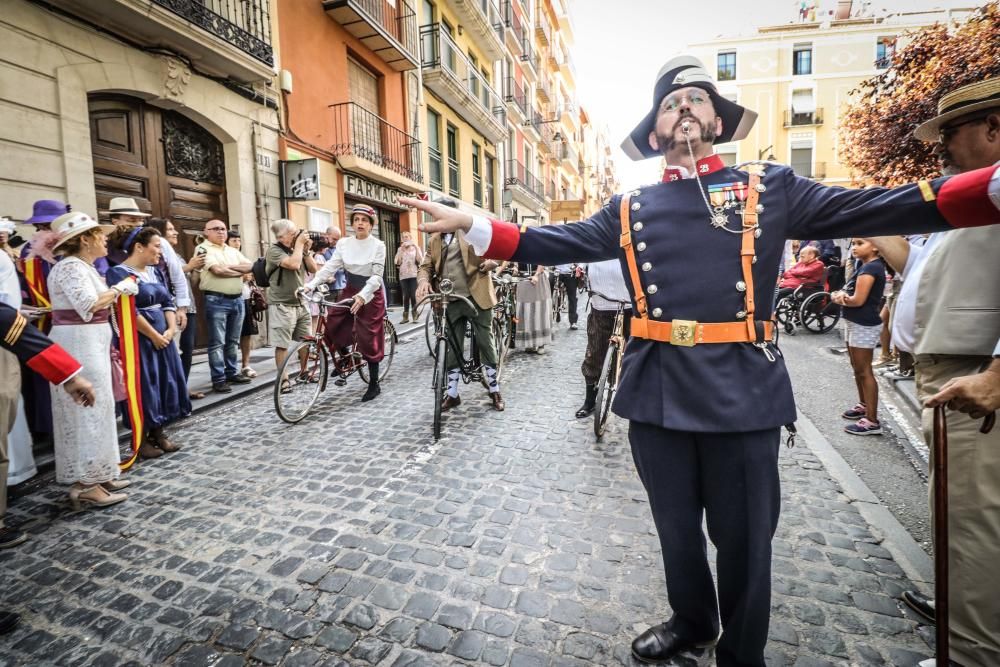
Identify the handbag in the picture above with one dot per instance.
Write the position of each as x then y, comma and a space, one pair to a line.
258, 302
117, 376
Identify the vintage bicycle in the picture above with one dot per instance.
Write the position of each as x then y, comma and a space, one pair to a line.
445, 335
607, 384
305, 371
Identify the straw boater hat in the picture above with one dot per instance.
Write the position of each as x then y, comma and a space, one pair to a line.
125, 206
681, 72
363, 209
961, 102
68, 225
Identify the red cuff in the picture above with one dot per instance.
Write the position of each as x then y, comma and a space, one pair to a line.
504, 242
54, 364
964, 200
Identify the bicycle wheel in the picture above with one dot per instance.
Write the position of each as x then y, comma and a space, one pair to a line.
439, 384
501, 338
430, 324
298, 386
390, 339
819, 313
607, 385
784, 314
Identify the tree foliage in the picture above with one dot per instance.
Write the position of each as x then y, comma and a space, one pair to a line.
876, 133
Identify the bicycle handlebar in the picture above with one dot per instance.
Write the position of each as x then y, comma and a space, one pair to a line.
438, 296
605, 296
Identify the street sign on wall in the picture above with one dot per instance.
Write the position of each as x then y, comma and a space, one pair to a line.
300, 179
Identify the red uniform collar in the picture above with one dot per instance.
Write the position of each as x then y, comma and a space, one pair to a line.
705, 166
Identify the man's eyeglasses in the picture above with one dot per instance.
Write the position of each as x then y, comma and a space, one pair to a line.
674, 102
946, 132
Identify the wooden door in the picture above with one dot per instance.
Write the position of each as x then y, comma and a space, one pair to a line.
172, 167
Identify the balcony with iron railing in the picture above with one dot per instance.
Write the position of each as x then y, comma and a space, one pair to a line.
360, 134
226, 38
543, 89
567, 154
513, 94
387, 27
453, 77
529, 57
517, 33
484, 20
567, 69
800, 119
543, 31
519, 177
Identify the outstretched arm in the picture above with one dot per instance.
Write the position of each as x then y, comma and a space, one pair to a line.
588, 241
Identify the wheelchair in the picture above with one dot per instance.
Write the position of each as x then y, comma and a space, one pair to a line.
809, 306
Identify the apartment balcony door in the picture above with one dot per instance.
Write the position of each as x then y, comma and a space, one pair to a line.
365, 134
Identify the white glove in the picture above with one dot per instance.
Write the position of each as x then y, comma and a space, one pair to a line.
126, 286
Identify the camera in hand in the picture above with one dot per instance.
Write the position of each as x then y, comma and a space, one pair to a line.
319, 242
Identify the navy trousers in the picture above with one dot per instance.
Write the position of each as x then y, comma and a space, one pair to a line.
730, 479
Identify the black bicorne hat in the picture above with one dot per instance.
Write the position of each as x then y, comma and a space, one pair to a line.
681, 72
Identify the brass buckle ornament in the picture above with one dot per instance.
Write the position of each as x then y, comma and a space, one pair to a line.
683, 333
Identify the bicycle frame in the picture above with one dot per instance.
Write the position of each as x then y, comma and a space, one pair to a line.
470, 368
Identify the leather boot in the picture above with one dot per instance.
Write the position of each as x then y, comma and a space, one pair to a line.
160, 438
149, 449
588, 402
373, 387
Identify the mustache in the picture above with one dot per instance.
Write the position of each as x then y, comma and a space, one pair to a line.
687, 118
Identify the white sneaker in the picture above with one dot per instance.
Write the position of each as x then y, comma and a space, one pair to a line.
248, 372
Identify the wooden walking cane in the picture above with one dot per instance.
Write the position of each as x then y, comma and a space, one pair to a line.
940, 445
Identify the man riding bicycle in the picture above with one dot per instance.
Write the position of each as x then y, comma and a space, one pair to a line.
450, 256
607, 286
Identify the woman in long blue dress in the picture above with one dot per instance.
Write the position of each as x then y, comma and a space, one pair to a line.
164, 390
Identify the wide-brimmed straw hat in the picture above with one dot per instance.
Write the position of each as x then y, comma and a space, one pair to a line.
960, 102
681, 72
45, 211
125, 206
69, 225
363, 209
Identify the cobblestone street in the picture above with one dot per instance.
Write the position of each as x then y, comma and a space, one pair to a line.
354, 538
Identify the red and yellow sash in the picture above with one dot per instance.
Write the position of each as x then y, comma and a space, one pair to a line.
38, 290
128, 350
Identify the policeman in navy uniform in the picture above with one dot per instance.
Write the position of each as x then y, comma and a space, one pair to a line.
702, 385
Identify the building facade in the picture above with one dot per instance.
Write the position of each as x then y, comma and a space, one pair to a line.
164, 101
800, 76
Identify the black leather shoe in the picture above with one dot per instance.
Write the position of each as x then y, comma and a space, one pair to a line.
239, 379
373, 390
921, 604
221, 387
585, 411
449, 402
660, 644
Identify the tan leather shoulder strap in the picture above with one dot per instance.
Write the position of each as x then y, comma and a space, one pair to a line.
748, 252
625, 241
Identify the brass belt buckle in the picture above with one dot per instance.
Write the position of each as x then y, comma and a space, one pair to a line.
683, 333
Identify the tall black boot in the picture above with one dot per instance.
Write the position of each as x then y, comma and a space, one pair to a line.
373, 388
588, 402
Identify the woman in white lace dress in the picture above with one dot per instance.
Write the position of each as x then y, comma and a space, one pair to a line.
86, 438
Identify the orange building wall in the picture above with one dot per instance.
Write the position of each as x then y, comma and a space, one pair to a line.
314, 48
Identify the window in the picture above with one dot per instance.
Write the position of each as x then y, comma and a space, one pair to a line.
487, 102
320, 219
490, 202
728, 154
727, 66
802, 59
885, 47
430, 43
473, 79
802, 160
363, 87
448, 45
477, 174
454, 188
434, 149
803, 108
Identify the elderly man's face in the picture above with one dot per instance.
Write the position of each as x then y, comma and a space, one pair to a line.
969, 142
692, 106
332, 235
808, 254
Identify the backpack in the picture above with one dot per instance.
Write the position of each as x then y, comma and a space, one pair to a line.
261, 275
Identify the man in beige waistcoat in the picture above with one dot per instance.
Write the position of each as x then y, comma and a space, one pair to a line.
949, 312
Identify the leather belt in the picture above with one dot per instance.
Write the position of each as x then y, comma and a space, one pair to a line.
688, 333
221, 294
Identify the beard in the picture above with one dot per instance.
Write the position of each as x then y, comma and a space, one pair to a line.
668, 142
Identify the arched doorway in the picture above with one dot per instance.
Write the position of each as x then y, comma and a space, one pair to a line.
172, 167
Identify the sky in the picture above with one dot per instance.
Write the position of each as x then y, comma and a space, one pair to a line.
618, 53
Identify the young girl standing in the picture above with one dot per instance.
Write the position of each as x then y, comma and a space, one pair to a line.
861, 299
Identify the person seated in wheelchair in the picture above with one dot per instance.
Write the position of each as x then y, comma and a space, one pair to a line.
807, 273
450, 256
362, 256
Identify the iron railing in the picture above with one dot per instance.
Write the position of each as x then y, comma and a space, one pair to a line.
440, 51
793, 119
491, 11
542, 30
395, 17
246, 24
361, 133
514, 22
551, 190
513, 92
567, 153
518, 174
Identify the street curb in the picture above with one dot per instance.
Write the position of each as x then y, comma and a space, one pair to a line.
917, 565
